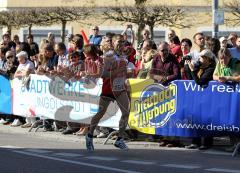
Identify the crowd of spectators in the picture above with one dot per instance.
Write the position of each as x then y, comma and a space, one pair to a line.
173, 59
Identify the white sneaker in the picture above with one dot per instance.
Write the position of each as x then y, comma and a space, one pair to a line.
102, 135
16, 123
2, 121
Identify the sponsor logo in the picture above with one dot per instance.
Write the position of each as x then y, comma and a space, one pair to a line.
156, 105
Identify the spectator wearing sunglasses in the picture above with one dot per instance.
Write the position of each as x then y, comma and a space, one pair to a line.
95, 38
11, 64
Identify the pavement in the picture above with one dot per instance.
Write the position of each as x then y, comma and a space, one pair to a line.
57, 136
52, 152
220, 143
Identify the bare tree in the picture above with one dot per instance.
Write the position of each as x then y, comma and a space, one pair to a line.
165, 16
234, 8
30, 17
143, 14
42, 17
66, 14
16, 18
7, 19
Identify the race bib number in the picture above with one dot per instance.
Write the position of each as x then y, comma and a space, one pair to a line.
118, 84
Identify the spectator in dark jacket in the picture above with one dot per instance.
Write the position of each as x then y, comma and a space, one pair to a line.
202, 74
165, 67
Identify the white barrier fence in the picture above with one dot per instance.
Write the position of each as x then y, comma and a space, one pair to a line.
75, 101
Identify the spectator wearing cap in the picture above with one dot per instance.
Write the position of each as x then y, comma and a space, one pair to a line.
235, 51
202, 74
25, 67
95, 38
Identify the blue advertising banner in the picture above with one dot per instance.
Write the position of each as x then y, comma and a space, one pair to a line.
181, 109
5, 96
185, 109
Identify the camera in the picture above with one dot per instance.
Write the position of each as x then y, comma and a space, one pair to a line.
187, 57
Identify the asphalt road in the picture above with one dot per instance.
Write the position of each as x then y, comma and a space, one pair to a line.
33, 153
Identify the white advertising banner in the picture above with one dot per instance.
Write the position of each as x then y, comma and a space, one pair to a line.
53, 98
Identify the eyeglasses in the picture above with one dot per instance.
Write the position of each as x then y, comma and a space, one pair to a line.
9, 57
145, 33
95, 29
108, 41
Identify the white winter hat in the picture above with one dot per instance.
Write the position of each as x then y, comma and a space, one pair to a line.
22, 54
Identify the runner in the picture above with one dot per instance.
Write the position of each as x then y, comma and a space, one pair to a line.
114, 75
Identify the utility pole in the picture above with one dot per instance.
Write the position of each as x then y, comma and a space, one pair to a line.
214, 22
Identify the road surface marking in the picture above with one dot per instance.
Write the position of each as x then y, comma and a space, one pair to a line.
38, 151
217, 153
139, 162
182, 166
223, 170
10, 147
77, 162
68, 154
102, 158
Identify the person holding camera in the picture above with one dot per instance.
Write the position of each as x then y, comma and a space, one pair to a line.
199, 40
202, 74
186, 45
125, 35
